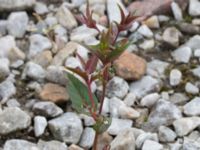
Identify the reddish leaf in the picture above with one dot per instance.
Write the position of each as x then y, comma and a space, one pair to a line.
78, 72
91, 64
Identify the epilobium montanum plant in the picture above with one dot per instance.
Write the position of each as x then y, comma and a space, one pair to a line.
106, 51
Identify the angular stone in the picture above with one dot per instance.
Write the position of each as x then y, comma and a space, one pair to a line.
194, 8
130, 66
192, 107
16, 144
191, 88
182, 54
51, 145
47, 109
152, 145
65, 17
13, 119
38, 43
118, 125
53, 92
164, 113
87, 138
67, 128
150, 99
175, 77
8, 5
166, 134
171, 36
17, 24
117, 87
183, 126
144, 86
34, 71
57, 75
125, 140
40, 124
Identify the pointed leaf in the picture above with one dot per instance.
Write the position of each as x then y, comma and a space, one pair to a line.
91, 64
78, 93
78, 72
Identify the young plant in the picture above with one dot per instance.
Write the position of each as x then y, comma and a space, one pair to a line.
106, 51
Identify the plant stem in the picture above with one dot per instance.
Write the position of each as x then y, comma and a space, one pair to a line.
95, 141
90, 95
104, 80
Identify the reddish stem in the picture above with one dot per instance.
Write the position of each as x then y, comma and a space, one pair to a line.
90, 95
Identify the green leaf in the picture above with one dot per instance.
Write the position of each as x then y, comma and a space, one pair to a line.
119, 49
102, 124
78, 93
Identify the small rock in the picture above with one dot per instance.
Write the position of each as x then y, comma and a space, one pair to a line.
194, 8
16, 144
17, 24
40, 123
41, 8
166, 134
191, 88
193, 42
183, 126
152, 145
3, 27
128, 112
38, 43
192, 108
164, 113
171, 36
65, 17
88, 120
178, 98
56, 74
9, 49
175, 77
145, 31
118, 125
54, 93
117, 87
196, 72
82, 34
13, 119
189, 28
8, 5
152, 22
67, 128
62, 55
197, 53
34, 71
130, 66
177, 12
112, 6
190, 146
150, 99
125, 140
144, 86
51, 145
156, 68
147, 45
43, 59
144, 137
87, 138
104, 140
47, 109
13, 103
196, 21
182, 54
7, 90
130, 99
4, 68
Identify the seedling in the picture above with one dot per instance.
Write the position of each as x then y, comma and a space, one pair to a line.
106, 51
